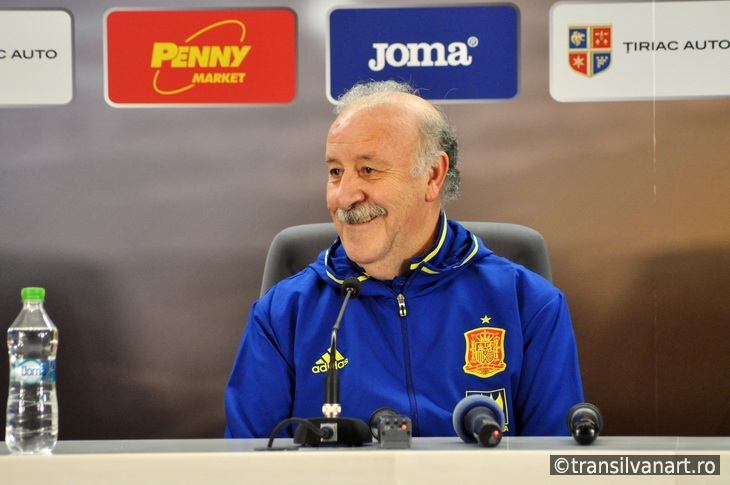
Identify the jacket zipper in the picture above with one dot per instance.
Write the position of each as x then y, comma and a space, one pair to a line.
407, 361
401, 305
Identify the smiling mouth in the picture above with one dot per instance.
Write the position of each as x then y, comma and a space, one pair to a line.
360, 223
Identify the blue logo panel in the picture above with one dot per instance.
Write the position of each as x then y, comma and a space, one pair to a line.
578, 38
448, 53
601, 61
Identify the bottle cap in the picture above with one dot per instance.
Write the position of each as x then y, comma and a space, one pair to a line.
33, 294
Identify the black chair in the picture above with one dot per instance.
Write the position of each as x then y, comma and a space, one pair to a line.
295, 247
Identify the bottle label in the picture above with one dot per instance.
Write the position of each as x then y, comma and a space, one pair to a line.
34, 371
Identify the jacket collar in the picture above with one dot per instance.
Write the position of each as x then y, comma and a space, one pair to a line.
454, 248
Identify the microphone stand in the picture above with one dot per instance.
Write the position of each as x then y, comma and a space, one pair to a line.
333, 428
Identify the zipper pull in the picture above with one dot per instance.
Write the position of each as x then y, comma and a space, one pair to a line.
401, 305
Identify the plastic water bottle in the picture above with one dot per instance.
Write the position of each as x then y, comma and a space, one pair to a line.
32, 412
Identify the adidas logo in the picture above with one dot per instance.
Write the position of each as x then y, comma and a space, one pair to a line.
323, 363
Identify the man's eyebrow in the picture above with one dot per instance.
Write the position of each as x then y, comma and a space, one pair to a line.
361, 158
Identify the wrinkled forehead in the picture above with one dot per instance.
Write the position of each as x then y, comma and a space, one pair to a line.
385, 132
399, 112
385, 123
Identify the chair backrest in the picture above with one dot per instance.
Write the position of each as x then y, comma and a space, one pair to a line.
295, 247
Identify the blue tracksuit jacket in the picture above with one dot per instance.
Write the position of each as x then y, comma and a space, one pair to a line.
463, 321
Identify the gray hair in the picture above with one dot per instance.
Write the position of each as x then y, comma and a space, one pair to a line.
437, 134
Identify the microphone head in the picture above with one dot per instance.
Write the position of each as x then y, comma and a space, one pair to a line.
375, 420
469, 403
352, 284
585, 422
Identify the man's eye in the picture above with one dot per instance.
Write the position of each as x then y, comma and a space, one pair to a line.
368, 170
335, 172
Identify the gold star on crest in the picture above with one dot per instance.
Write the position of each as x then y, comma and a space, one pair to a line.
486, 319
578, 62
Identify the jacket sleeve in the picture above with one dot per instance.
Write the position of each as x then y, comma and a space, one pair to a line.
258, 395
550, 382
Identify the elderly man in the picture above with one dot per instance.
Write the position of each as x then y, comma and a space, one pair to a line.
432, 298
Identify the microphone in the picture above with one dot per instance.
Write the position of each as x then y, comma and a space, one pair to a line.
479, 419
334, 429
351, 287
584, 422
391, 429
377, 417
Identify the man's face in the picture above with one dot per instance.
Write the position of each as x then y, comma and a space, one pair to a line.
369, 157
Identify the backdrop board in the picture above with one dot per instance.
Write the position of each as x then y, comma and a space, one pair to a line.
149, 225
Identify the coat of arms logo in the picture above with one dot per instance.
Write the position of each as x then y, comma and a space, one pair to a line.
484, 351
589, 49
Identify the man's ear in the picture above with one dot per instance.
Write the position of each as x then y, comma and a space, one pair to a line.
437, 175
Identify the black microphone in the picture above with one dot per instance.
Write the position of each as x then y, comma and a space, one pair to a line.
377, 417
584, 422
351, 287
334, 429
392, 429
479, 419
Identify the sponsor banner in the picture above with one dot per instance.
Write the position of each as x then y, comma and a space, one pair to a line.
623, 51
449, 53
200, 57
36, 57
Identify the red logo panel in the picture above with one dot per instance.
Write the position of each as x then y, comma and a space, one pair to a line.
484, 351
204, 57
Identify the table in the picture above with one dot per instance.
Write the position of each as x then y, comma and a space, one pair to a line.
428, 461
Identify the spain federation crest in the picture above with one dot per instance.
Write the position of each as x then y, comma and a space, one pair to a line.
589, 49
484, 351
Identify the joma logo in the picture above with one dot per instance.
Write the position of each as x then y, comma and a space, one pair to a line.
421, 54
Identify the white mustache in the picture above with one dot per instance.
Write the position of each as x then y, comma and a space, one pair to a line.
360, 213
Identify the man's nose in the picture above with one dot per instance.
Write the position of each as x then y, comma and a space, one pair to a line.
350, 190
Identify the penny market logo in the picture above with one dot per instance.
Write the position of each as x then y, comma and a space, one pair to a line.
590, 49
168, 55
200, 57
